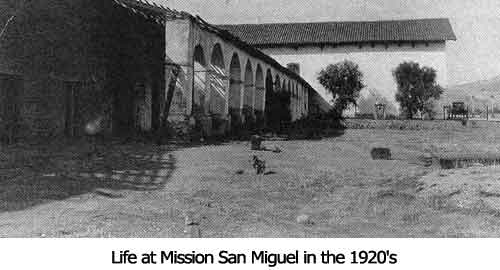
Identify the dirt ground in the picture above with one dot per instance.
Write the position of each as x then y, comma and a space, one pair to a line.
324, 188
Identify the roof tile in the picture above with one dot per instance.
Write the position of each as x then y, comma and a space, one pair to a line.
342, 32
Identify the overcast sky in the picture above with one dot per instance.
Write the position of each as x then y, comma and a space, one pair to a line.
475, 56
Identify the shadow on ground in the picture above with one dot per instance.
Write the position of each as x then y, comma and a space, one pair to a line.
34, 175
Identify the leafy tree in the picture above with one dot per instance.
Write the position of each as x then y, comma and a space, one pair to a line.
344, 81
417, 88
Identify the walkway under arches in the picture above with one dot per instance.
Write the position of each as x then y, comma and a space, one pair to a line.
200, 93
248, 92
235, 86
260, 91
217, 82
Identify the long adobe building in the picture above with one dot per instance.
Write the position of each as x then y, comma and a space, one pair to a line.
376, 46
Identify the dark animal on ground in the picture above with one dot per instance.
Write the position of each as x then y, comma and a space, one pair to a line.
259, 165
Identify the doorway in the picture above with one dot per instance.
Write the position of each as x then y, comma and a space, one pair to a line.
72, 123
11, 87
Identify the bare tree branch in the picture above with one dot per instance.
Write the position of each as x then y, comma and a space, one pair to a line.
4, 29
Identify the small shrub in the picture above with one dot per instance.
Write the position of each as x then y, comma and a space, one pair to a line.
368, 116
316, 126
392, 117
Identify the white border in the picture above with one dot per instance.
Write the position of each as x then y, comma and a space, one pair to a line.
97, 253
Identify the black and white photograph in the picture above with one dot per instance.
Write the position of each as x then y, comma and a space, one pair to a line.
249, 119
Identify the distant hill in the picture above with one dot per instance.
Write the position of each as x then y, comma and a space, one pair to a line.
485, 90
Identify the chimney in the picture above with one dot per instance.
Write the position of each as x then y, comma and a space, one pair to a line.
295, 67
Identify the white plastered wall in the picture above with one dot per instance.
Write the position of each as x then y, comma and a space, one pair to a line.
376, 63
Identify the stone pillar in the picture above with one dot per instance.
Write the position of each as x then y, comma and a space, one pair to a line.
242, 97
297, 105
236, 88
208, 85
206, 119
291, 103
178, 50
260, 105
301, 106
307, 102
295, 93
254, 96
301, 102
227, 85
248, 98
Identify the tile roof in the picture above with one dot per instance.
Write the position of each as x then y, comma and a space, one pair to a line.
251, 50
157, 12
151, 10
264, 35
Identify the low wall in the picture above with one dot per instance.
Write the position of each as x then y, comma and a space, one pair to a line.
416, 124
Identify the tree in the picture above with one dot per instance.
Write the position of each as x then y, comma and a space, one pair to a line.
417, 88
344, 81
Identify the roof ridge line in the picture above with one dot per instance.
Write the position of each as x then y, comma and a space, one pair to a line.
350, 21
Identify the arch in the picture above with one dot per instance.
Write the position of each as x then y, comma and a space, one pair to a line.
289, 86
235, 85
284, 86
200, 81
217, 58
199, 55
248, 94
260, 90
217, 81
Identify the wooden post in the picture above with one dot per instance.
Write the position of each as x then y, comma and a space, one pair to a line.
172, 84
170, 92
